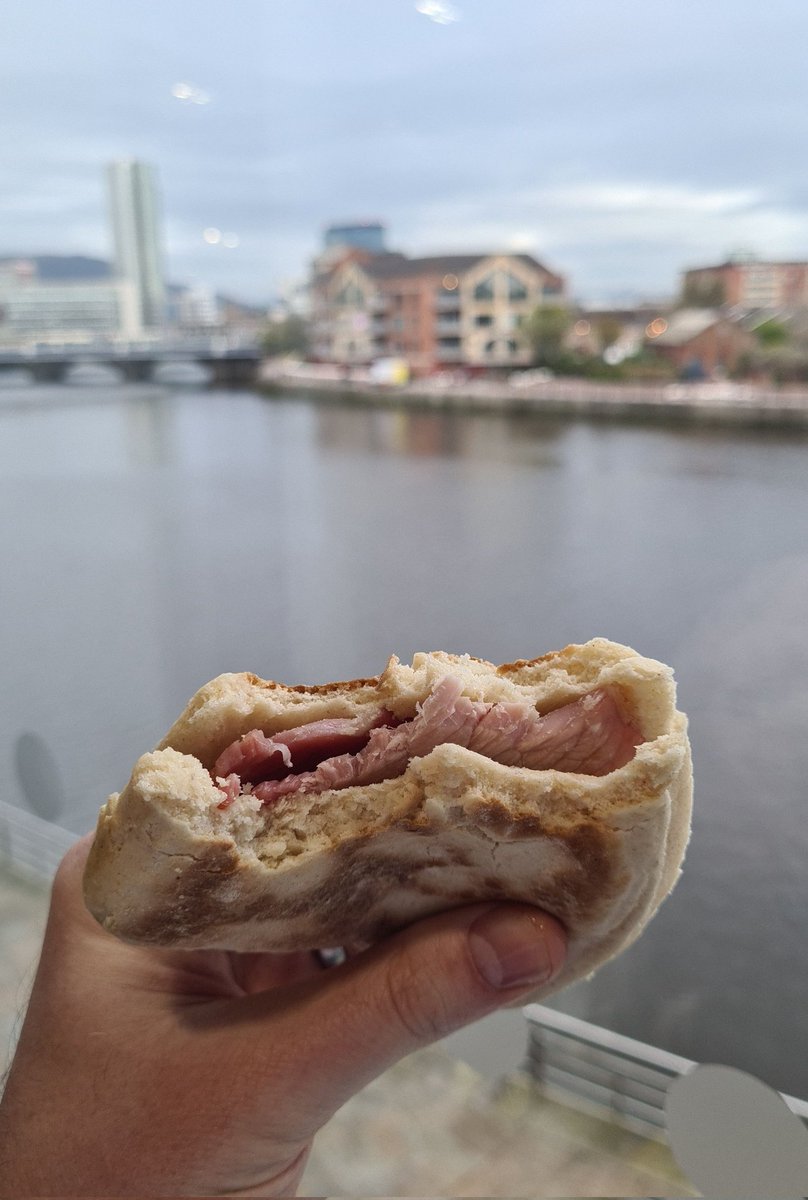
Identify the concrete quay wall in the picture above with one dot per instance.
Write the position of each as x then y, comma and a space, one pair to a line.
708, 404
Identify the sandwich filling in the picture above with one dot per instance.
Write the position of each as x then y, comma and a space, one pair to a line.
589, 736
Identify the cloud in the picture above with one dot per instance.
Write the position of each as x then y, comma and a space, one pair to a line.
622, 140
617, 235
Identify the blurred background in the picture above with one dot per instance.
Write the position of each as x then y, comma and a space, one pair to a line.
503, 195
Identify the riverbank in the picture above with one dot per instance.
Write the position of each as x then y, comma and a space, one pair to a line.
722, 403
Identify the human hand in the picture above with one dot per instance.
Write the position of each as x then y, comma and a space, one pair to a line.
154, 1072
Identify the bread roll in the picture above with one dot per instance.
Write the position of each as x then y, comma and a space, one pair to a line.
183, 857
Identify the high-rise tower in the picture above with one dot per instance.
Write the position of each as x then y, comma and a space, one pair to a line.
137, 237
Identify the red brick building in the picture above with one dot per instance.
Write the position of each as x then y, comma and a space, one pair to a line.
700, 340
748, 285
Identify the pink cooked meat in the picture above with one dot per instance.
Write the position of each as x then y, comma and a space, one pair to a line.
588, 736
256, 757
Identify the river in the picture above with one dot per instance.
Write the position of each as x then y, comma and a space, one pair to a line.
152, 539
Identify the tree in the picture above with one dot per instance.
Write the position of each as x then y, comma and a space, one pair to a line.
608, 329
288, 336
772, 334
545, 330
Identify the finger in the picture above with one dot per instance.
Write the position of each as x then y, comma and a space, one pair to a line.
406, 992
67, 897
250, 972
260, 972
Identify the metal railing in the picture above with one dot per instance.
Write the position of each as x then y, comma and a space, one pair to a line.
599, 1071
31, 844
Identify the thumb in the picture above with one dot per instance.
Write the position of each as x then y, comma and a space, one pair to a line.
418, 986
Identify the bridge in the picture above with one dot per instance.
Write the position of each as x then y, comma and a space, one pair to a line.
227, 365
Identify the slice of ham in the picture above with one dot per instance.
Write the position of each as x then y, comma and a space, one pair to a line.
589, 736
255, 757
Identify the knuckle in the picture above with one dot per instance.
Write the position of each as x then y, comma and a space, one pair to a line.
417, 1002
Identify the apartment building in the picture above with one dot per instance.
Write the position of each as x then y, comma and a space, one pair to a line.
441, 312
749, 284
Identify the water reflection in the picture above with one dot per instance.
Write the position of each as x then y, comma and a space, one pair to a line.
416, 433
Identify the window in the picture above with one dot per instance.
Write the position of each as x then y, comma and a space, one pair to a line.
483, 319
485, 289
516, 289
350, 294
500, 347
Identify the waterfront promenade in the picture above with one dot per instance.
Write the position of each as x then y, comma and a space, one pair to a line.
721, 403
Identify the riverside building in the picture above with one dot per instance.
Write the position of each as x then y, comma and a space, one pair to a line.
748, 283
438, 313
35, 311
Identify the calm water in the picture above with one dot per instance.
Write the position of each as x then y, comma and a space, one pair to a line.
151, 541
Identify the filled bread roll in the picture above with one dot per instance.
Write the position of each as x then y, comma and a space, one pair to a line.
290, 818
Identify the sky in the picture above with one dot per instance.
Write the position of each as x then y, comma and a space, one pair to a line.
619, 141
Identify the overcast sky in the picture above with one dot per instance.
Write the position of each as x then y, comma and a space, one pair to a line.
618, 140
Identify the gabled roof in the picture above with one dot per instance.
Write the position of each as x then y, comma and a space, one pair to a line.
389, 266
687, 323
397, 267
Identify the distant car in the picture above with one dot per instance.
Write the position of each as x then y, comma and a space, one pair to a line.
391, 371
528, 378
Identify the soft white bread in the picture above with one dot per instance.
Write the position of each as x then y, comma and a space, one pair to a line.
169, 866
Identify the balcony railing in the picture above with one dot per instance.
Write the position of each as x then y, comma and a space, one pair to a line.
447, 302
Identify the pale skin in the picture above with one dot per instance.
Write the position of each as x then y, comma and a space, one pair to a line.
144, 1072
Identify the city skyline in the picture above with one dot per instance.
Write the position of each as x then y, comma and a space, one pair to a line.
618, 144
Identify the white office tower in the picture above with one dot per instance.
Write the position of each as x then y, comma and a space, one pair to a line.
138, 242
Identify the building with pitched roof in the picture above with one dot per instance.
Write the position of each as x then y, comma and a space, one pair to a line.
440, 312
700, 341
